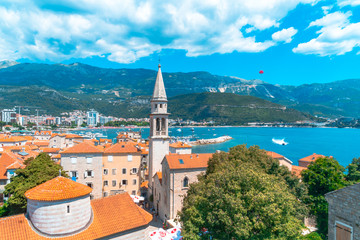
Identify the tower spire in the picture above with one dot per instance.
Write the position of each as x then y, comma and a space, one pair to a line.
159, 89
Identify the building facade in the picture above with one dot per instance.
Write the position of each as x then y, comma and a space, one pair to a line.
344, 213
121, 169
83, 162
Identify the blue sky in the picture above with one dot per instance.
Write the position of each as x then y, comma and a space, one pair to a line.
292, 41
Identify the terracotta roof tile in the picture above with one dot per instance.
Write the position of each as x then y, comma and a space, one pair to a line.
312, 157
274, 155
73, 136
144, 184
49, 150
6, 159
82, 148
112, 215
179, 145
297, 170
122, 147
40, 143
58, 188
183, 161
13, 139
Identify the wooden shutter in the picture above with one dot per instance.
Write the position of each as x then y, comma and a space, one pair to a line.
343, 232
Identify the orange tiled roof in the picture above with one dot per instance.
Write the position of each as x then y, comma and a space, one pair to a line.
182, 161
6, 159
82, 148
274, 155
312, 157
105, 140
111, 215
73, 136
13, 139
49, 150
58, 188
28, 138
40, 143
179, 145
56, 156
144, 184
297, 170
122, 147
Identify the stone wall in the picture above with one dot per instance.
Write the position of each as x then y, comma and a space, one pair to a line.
52, 217
82, 166
344, 207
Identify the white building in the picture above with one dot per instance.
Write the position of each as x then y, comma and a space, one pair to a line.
93, 118
8, 115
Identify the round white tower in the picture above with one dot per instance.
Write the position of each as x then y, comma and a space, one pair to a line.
59, 207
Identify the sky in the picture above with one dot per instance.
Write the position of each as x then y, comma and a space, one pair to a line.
293, 41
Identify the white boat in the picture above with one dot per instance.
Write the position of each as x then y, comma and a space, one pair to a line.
280, 141
179, 129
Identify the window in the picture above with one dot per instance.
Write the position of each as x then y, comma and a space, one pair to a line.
89, 160
74, 174
110, 158
114, 183
89, 173
68, 208
113, 171
134, 170
106, 171
124, 171
89, 185
134, 181
181, 161
124, 182
160, 105
73, 160
106, 194
186, 182
130, 158
133, 192
343, 231
155, 105
106, 183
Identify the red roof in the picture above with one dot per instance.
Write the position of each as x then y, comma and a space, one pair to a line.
297, 170
183, 161
82, 148
58, 188
179, 145
122, 147
274, 155
312, 157
111, 215
6, 160
73, 136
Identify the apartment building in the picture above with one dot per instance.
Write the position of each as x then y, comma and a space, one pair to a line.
121, 169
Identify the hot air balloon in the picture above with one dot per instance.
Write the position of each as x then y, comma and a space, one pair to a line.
261, 71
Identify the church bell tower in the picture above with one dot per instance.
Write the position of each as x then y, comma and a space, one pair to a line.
159, 132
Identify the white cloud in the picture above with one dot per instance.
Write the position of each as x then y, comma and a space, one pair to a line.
285, 35
352, 3
126, 30
337, 36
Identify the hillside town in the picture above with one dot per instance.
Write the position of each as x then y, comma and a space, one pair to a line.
140, 181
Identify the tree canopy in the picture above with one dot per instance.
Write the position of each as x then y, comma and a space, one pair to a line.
353, 170
322, 176
244, 195
37, 171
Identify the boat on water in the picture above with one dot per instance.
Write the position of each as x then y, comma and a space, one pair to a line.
179, 129
280, 141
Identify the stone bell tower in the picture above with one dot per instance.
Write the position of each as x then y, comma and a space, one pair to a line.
159, 132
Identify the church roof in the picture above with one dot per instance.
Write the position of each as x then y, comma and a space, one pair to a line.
159, 89
111, 215
56, 189
188, 161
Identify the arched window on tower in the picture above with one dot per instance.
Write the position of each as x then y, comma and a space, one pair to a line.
163, 124
158, 124
186, 182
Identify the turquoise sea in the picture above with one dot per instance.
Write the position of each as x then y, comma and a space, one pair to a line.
343, 144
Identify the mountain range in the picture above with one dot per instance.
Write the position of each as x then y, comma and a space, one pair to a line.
61, 87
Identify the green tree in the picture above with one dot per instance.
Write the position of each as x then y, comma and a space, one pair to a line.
353, 171
37, 171
243, 195
84, 124
322, 176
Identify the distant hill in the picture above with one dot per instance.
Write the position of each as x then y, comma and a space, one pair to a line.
232, 109
86, 86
